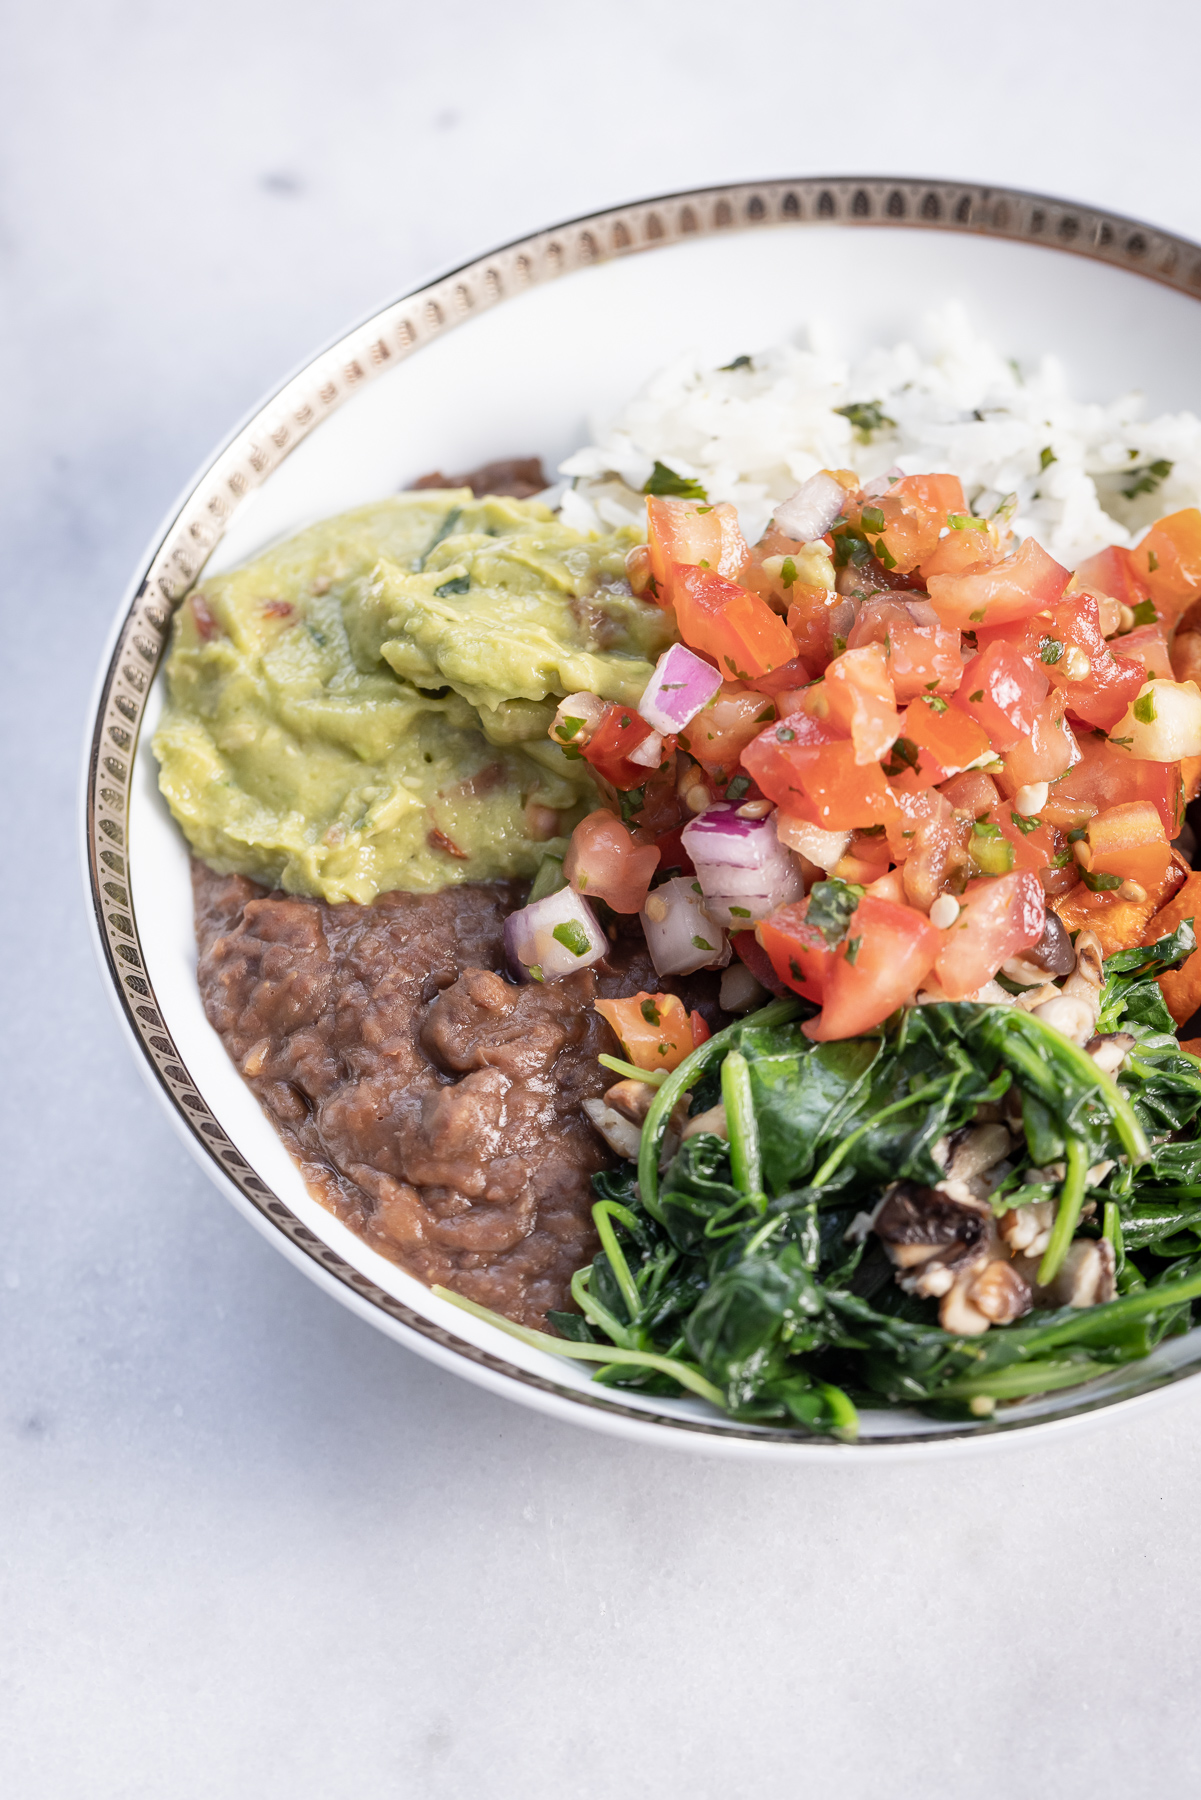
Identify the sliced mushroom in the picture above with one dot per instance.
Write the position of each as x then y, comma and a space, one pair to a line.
1027, 1229
1086, 1276
930, 1237
1073, 1015
999, 1292
1053, 954
988, 1291
973, 1150
1110, 1051
713, 1121
620, 1133
1033, 998
632, 1099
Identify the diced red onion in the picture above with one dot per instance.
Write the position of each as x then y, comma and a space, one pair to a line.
680, 935
882, 483
744, 870
810, 512
534, 952
681, 685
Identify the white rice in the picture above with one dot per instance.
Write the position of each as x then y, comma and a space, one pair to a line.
752, 434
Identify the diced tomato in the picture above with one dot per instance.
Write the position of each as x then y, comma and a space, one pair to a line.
686, 531
1129, 841
700, 1030
1148, 646
924, 655
750, 951
1112, 572
810, 620
1001, 690
836, 791
973, 793
999, 917
965, 551
1034, 845
654, 1030
861, 701
605, 862
887, 952
771, 759
947, 738
1168, 563
1107, 776
719, 733
1113, 679
799, 954
905, 522
889, 887
787, 678
738, 630
1020, 584
1046, 752
608, 749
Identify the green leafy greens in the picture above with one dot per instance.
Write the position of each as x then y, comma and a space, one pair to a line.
729, 1272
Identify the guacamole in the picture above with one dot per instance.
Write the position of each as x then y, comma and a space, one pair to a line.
365, 707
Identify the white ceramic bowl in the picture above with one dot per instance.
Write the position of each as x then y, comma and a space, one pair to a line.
510, 356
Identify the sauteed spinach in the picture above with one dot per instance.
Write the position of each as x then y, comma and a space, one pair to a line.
738, 1274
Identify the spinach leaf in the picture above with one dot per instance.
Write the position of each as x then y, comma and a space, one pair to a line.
1130, 991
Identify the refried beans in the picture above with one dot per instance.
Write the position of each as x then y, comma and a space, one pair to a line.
430, 1103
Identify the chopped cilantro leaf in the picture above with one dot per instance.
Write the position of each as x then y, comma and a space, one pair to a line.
1145, 480
572, 936
831, 905
1098, 881
665, 481
866, 416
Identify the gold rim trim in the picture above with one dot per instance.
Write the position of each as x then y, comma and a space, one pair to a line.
386, 339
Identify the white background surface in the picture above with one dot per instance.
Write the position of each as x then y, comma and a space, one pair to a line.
249, 1547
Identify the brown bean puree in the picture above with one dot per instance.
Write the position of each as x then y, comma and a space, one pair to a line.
430, 1104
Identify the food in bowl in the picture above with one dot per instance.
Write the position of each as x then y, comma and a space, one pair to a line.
491, 808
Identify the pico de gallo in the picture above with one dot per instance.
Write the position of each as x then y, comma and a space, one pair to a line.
892, 754
926, 787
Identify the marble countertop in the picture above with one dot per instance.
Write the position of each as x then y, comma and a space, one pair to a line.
248, 1545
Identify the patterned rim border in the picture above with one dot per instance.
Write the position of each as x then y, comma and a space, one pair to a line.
384, 340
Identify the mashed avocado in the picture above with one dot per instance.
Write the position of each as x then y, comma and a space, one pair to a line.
365, 707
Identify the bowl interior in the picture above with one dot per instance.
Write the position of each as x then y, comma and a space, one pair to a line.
525, 377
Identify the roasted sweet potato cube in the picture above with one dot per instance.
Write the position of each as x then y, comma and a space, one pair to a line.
1181, 987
